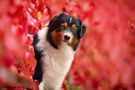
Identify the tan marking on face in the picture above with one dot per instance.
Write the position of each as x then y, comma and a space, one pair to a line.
73, 27
74, 42
57, 37
65, 24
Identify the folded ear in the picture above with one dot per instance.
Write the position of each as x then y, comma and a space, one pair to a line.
53, 23
56, 21
83, 30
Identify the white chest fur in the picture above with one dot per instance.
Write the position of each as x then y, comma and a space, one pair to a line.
56, 62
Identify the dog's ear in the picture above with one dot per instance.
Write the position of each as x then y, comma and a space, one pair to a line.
53, 23
56, 21
83, 30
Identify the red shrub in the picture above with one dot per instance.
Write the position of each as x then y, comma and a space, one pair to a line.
105, 59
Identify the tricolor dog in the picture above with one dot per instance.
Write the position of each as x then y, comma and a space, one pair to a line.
55, 46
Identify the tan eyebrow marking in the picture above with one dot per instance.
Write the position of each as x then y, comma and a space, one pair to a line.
65, 24
73, 27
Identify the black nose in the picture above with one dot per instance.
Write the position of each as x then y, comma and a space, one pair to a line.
66, 37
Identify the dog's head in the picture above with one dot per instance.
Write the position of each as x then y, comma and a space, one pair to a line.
65, 29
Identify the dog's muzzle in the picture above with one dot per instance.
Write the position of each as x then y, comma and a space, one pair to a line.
67, 37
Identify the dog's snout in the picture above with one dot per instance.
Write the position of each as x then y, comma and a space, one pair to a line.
66, 37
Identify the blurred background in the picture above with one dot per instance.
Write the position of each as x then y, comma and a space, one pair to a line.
106, 56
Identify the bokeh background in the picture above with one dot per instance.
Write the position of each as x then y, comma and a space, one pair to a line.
105, 59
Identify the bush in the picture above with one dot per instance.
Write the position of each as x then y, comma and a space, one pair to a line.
106, 56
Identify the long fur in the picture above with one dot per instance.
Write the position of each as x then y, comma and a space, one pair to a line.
56, 63
53, 54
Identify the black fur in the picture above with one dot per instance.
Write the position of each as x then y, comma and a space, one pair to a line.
57, 20
38, 55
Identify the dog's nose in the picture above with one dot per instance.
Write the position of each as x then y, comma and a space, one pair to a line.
66, 37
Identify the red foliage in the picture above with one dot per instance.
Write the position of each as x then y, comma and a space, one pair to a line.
105, 59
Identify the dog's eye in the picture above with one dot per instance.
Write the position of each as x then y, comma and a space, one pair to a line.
62, 27
74, 28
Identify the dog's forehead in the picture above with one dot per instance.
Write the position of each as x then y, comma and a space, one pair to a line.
68, 19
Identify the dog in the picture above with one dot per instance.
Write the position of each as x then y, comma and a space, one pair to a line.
55, 46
